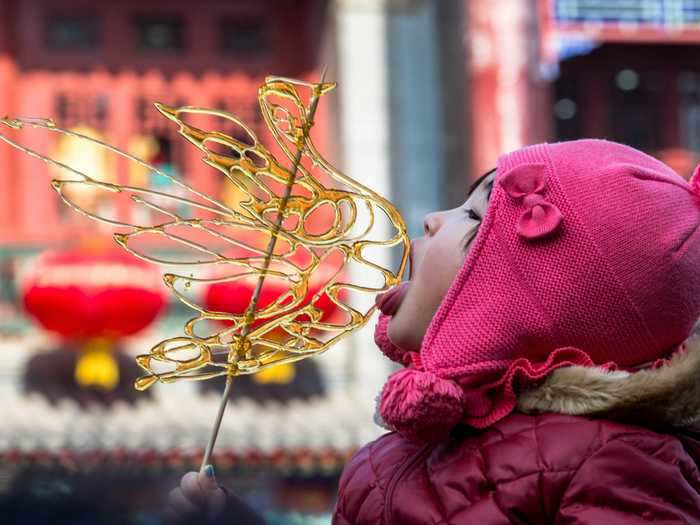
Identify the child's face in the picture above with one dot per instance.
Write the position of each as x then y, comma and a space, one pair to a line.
435, 261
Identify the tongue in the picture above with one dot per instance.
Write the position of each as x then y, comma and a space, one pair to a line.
389, 302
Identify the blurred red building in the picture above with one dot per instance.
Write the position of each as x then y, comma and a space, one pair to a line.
101, 65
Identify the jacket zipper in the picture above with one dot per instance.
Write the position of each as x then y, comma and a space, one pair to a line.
403, 469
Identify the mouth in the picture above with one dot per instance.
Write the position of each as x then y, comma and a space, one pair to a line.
389, 301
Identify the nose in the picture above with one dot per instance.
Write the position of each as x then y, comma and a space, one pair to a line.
433, 222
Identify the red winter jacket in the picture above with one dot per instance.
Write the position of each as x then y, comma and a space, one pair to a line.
547, 467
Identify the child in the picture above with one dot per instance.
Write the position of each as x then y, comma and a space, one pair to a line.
548, 373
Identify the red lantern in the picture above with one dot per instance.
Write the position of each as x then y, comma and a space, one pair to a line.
281, 381
91, 299
85, 295
234, 296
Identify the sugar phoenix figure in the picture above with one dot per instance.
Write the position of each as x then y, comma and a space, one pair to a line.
294, 214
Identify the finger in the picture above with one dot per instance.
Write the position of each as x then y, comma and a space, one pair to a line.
170, 515
216, 498
192, 489
217, 503
180, 503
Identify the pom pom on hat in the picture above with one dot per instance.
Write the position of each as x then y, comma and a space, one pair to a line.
420, 405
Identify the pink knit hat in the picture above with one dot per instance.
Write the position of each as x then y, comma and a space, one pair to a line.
588, 255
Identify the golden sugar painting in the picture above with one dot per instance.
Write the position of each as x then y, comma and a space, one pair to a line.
298, 231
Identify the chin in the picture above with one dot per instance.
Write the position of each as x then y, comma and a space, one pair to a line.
401, 337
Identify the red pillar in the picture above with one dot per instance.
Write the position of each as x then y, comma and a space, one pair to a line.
505, 112
8, 84
35, 200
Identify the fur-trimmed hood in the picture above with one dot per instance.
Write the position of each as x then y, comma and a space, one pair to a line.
662, 397
667, 396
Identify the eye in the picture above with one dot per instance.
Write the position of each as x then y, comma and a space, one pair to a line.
473, 215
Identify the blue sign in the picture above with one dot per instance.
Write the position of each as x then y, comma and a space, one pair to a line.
664, 13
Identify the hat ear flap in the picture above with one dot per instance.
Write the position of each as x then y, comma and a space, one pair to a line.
381, 338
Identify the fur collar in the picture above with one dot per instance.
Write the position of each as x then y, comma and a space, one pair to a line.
668, 396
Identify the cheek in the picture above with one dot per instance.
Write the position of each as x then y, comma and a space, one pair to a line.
443, 260
439, 266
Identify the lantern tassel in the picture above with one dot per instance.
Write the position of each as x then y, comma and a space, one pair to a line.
97, 367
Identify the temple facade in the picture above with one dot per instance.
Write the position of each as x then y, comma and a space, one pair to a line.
566, 69
100, 67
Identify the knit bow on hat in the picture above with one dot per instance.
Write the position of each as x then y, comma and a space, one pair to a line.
526, 183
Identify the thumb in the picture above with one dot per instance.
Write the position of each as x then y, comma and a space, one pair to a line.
207, 479
215, 495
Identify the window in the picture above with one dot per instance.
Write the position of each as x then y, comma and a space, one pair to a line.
72, 32
242, 36
567, 114
61, 108
689, 91
636, 113
101, 105
82, 109
159, 32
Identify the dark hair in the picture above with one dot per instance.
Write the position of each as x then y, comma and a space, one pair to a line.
479, 181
